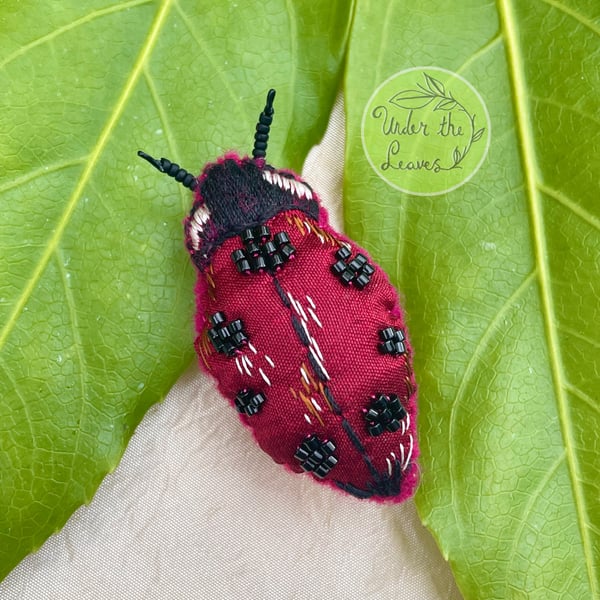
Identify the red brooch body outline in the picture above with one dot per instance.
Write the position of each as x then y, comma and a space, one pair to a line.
302, 331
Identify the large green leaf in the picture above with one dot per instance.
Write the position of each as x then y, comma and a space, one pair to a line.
95, 286
501, 280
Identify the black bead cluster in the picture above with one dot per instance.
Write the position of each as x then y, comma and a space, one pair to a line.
384, 414
260, 252
392, 341
357, 271
227, 338
316, 456
249, 402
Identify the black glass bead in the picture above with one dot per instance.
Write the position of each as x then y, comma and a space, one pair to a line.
287, 251
281, 238
235, 326
243, 266
393, 341
247, 236
239, 339
387, 334
387, 347
218, 319
339, 267
262, 233
356, 272
376, 429
269, 247
399, 348
354, 266
224, 333
258, 263
343, 253
275, 261
384, 414
316, 456
228, 348
252, 248
346, 277
361, 281
357, 263
367, 270
227, 338
238, 255
249, 402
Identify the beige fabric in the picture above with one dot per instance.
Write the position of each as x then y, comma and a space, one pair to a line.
196, 510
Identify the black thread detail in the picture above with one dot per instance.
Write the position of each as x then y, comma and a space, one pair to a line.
316, 368
353, 436
354, 491
236, 196
281, 292
334, 405
385, 484
300, 332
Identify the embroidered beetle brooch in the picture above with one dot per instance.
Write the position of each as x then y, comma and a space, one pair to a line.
301, 330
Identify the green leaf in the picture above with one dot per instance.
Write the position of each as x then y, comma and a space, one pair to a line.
96, 290
500, 280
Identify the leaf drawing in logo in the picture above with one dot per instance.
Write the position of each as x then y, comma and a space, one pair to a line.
478, 134
411, 99
446, 104
457, 157
436, 86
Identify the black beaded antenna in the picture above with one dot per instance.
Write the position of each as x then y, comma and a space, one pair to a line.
261, 137
164, 165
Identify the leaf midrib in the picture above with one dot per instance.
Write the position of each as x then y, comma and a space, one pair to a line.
90, 165
532, 186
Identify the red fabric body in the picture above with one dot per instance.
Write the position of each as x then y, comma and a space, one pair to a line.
344, 323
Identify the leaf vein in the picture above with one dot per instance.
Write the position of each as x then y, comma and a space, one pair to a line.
580, 336
90, 165
78, 345
217, 68
566, 107
563, 199
528, 508
41, 172
24, 403
164, 119
583, 397
483, 341
482, 51
525, 133
575, 15
92, 16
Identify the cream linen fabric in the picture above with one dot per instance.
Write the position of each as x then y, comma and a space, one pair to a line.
196, 510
